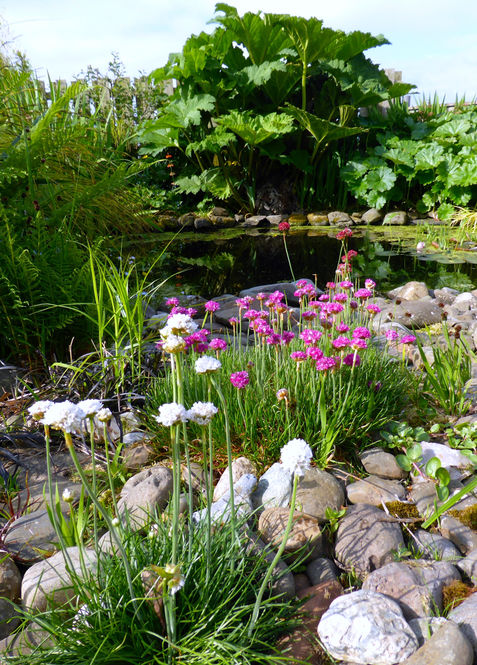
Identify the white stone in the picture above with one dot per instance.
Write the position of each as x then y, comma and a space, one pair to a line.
273, 489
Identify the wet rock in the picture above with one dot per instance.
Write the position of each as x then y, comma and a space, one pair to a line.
416, 585
465, 616
255, 221
318, 219
446, 646
372, 216
48, 583
366, 539
317, 491
340, 218
396, 218
305, 531
367, 627
375, 491
297, 219
377, 462
273, 489
187, 220
202, 224
240, 467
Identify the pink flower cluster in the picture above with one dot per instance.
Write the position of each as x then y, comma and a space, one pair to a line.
239, 379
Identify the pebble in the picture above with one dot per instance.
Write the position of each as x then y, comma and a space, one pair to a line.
274, 488
375, 491
446, 646
305, 532
240, 467
317, 491
377, 462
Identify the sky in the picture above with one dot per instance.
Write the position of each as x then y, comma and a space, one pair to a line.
433, 42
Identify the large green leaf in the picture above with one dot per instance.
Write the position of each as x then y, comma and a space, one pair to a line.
257, 129
381, 179
323, 131
257, 75
429, 157
214, 142
465, 174
187, 110
310, 40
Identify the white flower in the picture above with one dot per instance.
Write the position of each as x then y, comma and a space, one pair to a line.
104, 415
65, 416
115, 521
296, 456
173, 344
207, 365
67, 496
179, 324
90, 406
38, 410
176, 581
201, 413
171, 414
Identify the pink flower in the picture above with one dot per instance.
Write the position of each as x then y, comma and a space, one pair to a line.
330, 285
314, 353
352, 359
345, 233
287, 337
252, 314
233, 320
332, 308
408, 339
308, 315
324, 297
301, 283
172, 302
314, 304
340, 297
325, 363
362, 294
353, 304
212, 306
369, 283
310, 336
261, 295
357, 344
274, 339
244, 302
342, 328
361, 333
345, 284
239, 379
351, 254
298, 356
197, 338
217, 344
391, 335
373, 309
274, 298
284, 226
341, 342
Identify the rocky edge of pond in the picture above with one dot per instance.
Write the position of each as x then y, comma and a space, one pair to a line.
392, 618
220, 218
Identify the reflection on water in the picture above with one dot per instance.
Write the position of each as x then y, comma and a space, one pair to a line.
233, 260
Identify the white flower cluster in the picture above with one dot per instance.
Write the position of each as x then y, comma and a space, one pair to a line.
90, 406
296, 456
38, 409
201, 413
171, 414
179, 324
207, 365
65, 416
173, 343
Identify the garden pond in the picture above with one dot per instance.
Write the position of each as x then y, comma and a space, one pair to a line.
235, 259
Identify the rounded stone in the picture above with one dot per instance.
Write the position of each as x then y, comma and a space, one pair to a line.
317, 491
377, 462
446, 646
305, 532
240, 467
375, 491
274, 488
145, 492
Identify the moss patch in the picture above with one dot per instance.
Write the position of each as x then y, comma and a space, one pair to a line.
455, 593
468, 516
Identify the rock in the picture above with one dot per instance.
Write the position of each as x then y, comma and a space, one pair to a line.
133, 438
446, 646
465, 616
36, 496
240, 467
48, 583
464, 302
424, 627
317, 491
410, 291
416, 585
366, 539
302, 644
379, 463
274, 488
434, 546
302, 581
9, 375
138, 456
296, 219
187, 220
340, 218
366, 627
461, 535
372, 216
283, 580
220, 510
318, 219
305, 531
221, 221
202, 224
10, 588
409, 313
32, 536
396, 218
321, 570
453, 460
145, 492
255, 221
468, 566
23, 643
197, 477
446, 295
375, 491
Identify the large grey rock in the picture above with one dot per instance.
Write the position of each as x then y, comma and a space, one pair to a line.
31, 536
409, 313
49, 583
240, 467
305, 534
221, 510
445, 295
144, 493
368, 628
435, 546
375, 491
465, 616
372, 216
453, 460
446, 646
416, 585
396, 218
366, 539
36, 495
377, 462
317, 491
340, 218
424, 627
273, 489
